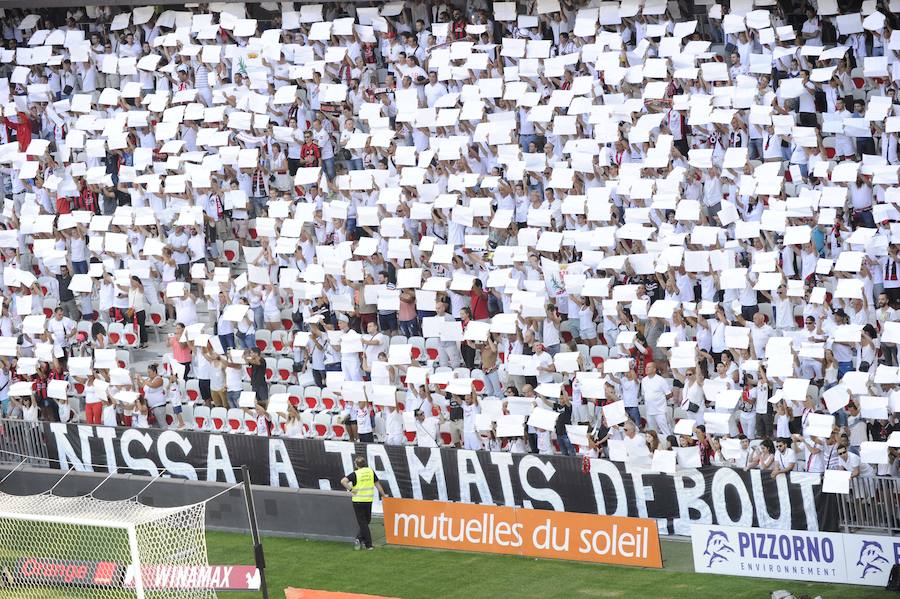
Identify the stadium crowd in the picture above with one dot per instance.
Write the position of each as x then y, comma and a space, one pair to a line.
552, 227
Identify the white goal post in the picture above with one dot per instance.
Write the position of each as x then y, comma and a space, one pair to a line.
53, 546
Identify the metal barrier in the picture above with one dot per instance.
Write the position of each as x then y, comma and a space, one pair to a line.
23, 440
873, 503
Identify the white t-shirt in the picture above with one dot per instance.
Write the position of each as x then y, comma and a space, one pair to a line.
469, 412
393, 423
427, 432
654, 389
545, 360
109, 415
854, 461
59, 329
234, 379
363, 421
372, 351
785, 458
630, 391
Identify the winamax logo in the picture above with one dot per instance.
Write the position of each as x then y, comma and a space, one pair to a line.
871, 558
718, 546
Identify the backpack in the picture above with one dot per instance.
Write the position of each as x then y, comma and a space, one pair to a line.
893, 583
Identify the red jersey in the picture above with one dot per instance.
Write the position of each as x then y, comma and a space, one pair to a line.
310, 150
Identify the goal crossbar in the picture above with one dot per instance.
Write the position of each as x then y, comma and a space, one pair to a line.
65, 520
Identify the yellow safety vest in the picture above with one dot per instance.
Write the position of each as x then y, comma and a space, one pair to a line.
365, 486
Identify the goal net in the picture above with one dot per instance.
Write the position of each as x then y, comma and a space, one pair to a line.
80, 547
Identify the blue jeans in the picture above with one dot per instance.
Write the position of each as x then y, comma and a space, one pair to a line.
227, 341
525, 140
840, 417
356, 164
635, 415
259, 317
233, 397
565, 446
409, 328
246, 341
748, 311
80, 267
258, 206
328, 166
755, 149
843, 368
866, 219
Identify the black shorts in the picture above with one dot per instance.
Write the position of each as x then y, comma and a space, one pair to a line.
387, 322
677, 384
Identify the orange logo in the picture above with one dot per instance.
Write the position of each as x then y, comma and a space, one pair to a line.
518, 531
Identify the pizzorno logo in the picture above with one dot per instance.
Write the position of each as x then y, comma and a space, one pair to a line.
718, 546
871, 558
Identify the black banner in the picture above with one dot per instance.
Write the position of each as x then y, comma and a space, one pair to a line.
707, 495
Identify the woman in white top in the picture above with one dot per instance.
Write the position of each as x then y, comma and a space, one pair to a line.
109, 411
217, 389
867, 351
93, 402
693, 400
764, 457
278, 166
137, 307
364, 422
186, 308
154, 393
263, 420
783, 415
106, 296
140, 414
25, 408
518, 445
271, 312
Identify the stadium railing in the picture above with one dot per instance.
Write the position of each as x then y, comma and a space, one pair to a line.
23, 440
873, 503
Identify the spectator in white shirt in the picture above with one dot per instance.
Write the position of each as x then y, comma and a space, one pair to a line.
785, 458
427, 429
656, 391
850, 462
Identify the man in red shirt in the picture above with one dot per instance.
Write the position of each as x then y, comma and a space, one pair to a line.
63, 205
479, 301
22, 128
459, 25
310, 154
87, 199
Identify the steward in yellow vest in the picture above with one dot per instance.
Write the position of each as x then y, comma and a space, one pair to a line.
362, 484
